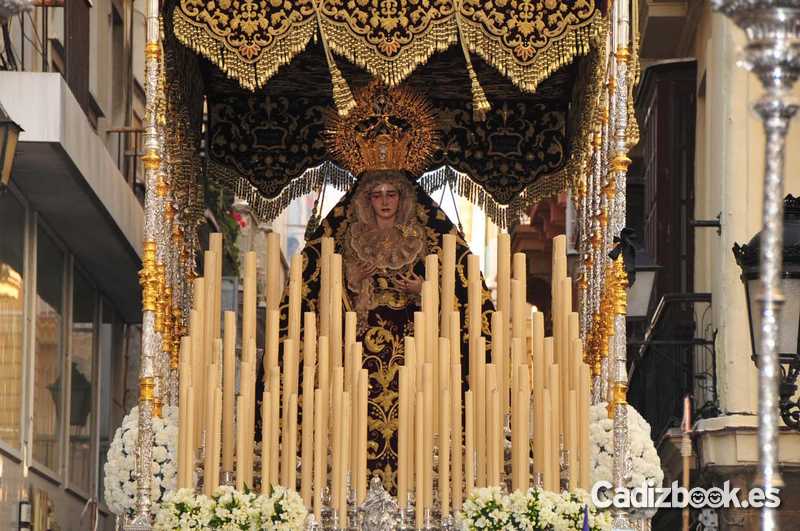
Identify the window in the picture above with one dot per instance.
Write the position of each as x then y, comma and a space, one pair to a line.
112, 365
12, 297
84, 302
48, 362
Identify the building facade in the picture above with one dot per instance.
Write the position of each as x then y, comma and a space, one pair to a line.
70, 238
701, 160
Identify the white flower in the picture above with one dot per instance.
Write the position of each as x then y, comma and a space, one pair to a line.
644, 460
120, 468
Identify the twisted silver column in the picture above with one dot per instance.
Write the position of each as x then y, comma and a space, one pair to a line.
773, 54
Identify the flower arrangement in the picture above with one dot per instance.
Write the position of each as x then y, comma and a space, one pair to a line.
487, 508
532, 510
645, 463
120, 467
229, 509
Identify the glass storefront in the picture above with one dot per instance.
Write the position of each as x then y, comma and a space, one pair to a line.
48, 358
12, 307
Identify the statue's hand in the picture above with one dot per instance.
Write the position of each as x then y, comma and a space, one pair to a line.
412, 283
363, 270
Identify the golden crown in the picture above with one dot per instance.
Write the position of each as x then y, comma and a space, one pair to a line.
390, 128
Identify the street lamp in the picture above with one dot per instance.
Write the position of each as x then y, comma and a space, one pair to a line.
788, 342
640, 291
9, 134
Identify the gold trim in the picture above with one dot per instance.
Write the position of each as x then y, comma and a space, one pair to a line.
151, 159
619, 397
147, 388
250, 74
147, 275
620, 163
559, 51
152, 50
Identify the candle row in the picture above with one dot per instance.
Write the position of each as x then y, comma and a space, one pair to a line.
535, 386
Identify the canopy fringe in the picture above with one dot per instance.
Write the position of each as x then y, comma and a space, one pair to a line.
267, 209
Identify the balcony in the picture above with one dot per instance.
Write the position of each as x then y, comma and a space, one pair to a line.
676, 358
66, 173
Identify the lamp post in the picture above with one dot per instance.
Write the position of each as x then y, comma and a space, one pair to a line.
9, 135
772, 53
640, 287
788, 341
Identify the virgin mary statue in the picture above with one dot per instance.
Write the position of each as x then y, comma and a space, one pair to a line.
384, 227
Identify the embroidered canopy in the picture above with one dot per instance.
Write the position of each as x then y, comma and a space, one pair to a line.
514, 84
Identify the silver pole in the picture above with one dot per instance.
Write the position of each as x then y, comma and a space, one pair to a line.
773, 54
151, 343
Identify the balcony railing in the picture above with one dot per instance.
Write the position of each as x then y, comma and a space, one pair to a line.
126, 144
676, 358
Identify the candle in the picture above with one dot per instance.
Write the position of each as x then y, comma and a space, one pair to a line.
215, 244
295, 286
520, 273
363, 399
335, 337
215, 440
555, 429
350, 320
448, 281
229, 389
324, 375
516, 433
572, 438
344, 453
474, 309
272, 339
266, 430
432, 317
550, 471
273, 271
248, 305
455, 437
356, 353
325, 286
469, 443
419, 336
492, 431
309, 339
243, 401
565, 347
419, 450
498, 359
320, 453
289, 385
539, 380
184, 435
455, 338
444, 364
427, 384
444, 451
524, 401
274, 378
504, 279
208, 462
240, 462
306, 473
584, 390
402, 440
189, 450
517, 310
291, 475
338, 427
480, 414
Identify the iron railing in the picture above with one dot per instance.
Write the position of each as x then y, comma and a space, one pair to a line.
676, 358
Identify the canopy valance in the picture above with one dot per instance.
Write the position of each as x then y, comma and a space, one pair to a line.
269, 78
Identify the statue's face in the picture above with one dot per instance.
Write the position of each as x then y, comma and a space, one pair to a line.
385, 198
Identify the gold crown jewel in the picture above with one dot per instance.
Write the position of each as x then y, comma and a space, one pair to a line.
390, 128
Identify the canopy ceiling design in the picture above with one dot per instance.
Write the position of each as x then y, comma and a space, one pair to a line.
268, 82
